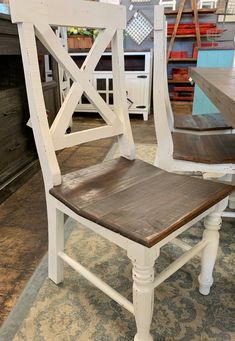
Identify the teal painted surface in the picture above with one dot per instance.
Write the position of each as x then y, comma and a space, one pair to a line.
210, 58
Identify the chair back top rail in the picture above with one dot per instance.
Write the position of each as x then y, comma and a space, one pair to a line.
69, 13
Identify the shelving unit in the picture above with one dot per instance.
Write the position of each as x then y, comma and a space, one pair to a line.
185, 62
172, 81
188, 60
190, 36
190, 11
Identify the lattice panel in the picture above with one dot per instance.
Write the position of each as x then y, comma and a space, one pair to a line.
231, 7
139, 28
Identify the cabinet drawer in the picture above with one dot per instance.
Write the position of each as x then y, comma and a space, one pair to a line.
14, 155
13, 103
11, 123
14, 112
12, 99
16, 142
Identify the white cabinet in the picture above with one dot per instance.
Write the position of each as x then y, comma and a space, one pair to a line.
138, 71
138, 92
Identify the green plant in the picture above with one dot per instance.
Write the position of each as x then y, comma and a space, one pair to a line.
83, 31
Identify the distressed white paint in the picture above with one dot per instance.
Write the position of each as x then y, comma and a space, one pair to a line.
68, 13
45, 148
126, 142
64, 80
55, 242
143, 299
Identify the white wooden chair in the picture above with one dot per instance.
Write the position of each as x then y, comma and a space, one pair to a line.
123, 200
211, 154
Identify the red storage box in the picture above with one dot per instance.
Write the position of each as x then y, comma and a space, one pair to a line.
180, 74
182, 93
179, 54
184, 89
182, 98
189, 28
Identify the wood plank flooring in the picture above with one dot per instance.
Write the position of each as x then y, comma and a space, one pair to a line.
23, 227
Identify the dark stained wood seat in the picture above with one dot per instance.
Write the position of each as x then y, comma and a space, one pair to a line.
201, 122
136, 199
210, 149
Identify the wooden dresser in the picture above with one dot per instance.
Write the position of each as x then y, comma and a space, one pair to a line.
18, 156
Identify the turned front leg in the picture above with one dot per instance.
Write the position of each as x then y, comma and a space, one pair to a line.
212, 225
143, 300
143, 260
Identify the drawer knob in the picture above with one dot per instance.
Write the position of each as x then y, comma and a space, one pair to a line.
5, 114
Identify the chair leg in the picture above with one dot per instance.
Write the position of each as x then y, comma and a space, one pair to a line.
232, 196
56, 243
212, 225
143, 300
143, 260
145, 116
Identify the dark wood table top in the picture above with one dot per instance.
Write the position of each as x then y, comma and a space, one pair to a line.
218, 84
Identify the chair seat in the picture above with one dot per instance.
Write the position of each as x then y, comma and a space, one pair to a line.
136, 199
201, 122
210, 149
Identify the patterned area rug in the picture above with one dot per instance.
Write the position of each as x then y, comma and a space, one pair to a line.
76, 310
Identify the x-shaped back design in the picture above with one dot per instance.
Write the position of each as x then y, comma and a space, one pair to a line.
81, 78
81, 82
37, 17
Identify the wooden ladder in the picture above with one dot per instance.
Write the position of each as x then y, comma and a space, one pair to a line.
177, 22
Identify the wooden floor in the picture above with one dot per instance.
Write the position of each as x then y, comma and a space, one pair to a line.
23, 227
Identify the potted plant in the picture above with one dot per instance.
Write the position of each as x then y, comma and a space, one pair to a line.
81, 38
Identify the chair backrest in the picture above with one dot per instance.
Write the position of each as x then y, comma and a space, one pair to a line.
37, 17
163, 115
